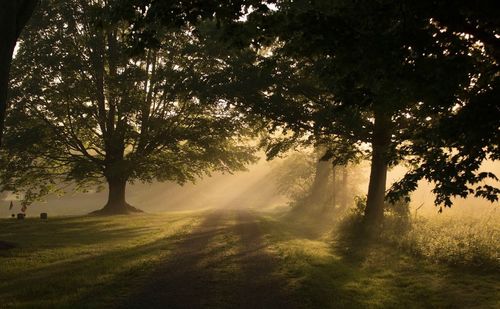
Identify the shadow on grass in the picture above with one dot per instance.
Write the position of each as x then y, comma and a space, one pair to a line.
222, 264
67, 231
357, 273
260, 284
5, 246
178, 281
77, 274
232, 259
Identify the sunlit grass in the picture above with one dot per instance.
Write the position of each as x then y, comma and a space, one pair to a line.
95, 262
457, 241
326, 272
87, 260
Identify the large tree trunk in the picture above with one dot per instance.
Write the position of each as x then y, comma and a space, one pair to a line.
116, 196
316, 198
331, 206
14, 14
116, 204
374, 212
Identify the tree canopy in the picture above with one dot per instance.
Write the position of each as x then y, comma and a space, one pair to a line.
410, 79
167, 90
14, 15
85, 110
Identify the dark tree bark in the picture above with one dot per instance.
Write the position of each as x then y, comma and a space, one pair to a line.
14, 14
112, 128
116, 195
116, 203
115, 172
374, 212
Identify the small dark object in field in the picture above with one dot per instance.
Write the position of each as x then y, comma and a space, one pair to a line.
43, 216
6, 245
13, 215
20, 216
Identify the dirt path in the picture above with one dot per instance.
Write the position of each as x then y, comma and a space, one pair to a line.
222, 264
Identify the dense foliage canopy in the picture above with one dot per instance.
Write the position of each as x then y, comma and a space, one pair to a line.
411, 79
162, 90
84, 109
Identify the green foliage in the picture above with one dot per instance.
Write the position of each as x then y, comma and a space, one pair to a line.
350, 226
84, 109
359, 206
148, 17
463, 241
399, 209
297, 178
458, 241
335, 66
456, 147
396, 221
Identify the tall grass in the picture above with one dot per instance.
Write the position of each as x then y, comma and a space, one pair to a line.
468, 241
457, 241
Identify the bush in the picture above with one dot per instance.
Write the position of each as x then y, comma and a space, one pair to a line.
396, 217
351, 227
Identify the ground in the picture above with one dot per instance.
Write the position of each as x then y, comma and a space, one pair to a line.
219, 259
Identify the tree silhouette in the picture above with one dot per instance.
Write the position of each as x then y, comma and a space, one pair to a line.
14, 15
86, 110
393, 75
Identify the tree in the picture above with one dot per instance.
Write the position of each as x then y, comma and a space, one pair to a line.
477, 19
383, 73
344, 202
306, 180
450, 153
86, 110
14, 14
320, 192
311, 181
458, 142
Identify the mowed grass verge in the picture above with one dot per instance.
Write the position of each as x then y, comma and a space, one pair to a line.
85, 261
93, 262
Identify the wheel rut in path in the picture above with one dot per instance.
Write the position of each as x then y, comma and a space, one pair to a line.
222, 264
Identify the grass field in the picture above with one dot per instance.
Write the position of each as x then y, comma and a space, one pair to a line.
217, 259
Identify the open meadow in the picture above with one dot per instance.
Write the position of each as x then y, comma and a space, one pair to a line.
260, 154
232, 259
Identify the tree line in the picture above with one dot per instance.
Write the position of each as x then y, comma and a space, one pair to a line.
144, 90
